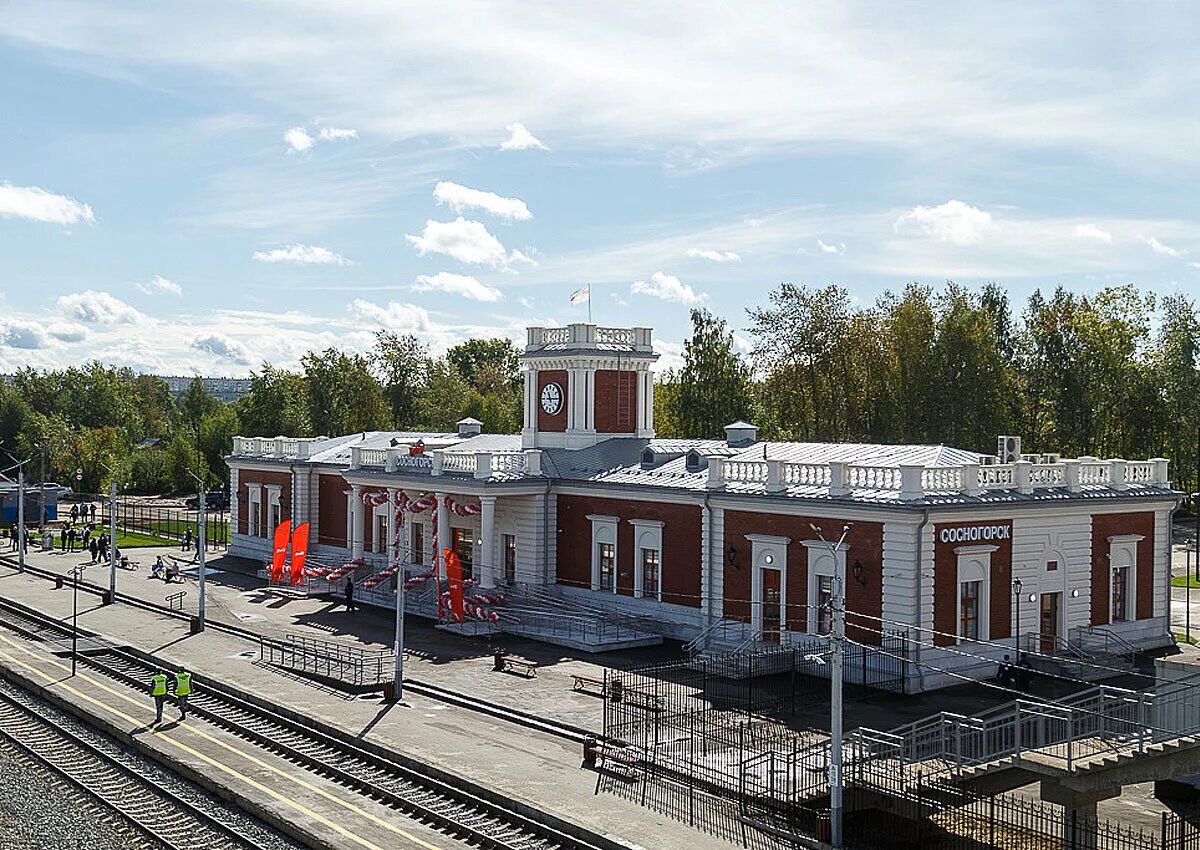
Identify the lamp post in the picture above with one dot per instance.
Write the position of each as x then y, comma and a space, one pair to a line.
1016, 585
837, 603
75, 573
112, 531
200, 546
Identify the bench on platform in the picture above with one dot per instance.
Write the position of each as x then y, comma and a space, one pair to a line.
589, 684
509, 664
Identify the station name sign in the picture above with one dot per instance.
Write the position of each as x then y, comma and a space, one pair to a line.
975, 533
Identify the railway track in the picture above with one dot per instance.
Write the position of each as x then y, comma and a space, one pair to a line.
445, 803
521, 718
160, 818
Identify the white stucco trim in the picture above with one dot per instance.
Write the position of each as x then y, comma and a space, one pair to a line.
604, 530
1122, 552
767, 552
821, 563
975, 564
647, 534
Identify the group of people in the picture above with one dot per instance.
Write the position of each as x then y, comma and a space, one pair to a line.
158, 690
83, 513
163, 570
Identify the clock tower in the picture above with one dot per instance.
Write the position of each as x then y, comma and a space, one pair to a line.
585, 384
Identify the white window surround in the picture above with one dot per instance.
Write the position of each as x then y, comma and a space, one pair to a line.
379, 512
254, 491
604, 530
274, 512
975, 564
647, 534
1122, 552
767, 552
821, 563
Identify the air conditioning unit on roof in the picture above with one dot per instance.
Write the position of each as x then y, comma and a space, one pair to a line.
988, 460
1052, 457
1008, 449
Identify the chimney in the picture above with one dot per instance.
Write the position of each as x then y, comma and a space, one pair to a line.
469, 427
740, 434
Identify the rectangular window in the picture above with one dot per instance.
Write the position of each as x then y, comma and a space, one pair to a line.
417, 554
1120, 594
510, 558
607, 558
651, 564
379, 544
270, 529
968, 628
463, 544
256, 519
1051, 566
824, 605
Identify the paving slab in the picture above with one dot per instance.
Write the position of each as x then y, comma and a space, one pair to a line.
535, 768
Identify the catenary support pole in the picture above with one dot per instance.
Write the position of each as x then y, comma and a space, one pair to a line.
21, 517
200, 541
112, 538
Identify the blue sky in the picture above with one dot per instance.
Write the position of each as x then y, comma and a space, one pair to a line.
200, 189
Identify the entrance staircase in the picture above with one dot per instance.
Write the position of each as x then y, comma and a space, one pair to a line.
1091, 653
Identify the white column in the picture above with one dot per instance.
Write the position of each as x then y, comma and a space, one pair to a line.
487, 533
358, 523
443, 534
639, 423
589, 401
572, 392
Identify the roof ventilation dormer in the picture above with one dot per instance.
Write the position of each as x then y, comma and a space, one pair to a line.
469, 427
739, 434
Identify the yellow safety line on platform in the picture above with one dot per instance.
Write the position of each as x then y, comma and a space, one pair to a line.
253, 759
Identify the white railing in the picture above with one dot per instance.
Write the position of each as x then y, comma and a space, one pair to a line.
615, 336
912, 482
458, 462
550, 335
508, 461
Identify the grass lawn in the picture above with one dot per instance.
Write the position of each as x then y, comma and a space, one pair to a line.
1184, 581
213, 530
135, 540
1182, 638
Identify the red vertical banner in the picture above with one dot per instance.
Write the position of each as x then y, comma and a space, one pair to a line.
299, 551
279, 553
455, 583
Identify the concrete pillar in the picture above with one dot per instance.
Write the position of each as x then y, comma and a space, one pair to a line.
910, 482
1071, 474
357, 522
837, 478
1079, 815
487, 533
443, 533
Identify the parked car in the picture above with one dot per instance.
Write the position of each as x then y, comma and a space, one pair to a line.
214, 500
61, 491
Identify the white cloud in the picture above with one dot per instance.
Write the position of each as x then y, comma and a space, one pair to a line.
520, 139
1091, 231
301, 254
67, 331
220, 345
328, 134
670, 356
1159, 248
402, 317
98, 308
17, 333
1195, 265
668, 288
457, 284
466, 241
835, 248
37, 204
715, 256
460, 198
298, 139
953, 221
160, 284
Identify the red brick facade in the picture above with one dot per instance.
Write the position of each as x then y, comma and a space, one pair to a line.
616, 401
331, 517
1105, 526
945, 582
862, 597
681, 550
557, 422
250, 479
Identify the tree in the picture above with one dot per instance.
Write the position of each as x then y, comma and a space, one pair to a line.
444, 397
195, 402
400, 361
714, 383
276, 405
217, 431
472, 356
343, 395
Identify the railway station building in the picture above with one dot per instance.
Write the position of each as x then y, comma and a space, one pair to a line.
587, 530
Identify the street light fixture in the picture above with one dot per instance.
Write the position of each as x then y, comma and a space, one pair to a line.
201, 546
75, 573
1016, 586
837, 639
112, 531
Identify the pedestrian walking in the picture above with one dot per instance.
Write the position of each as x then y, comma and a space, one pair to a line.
187, 539
158, 690
62, 538
94, 548
92, 508
349, 591
183, 688
71, 535
74, 513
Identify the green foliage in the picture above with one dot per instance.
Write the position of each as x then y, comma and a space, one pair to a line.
713, 388
474, 355
195, 403
400, 361
343, 395
444, 397
276, 405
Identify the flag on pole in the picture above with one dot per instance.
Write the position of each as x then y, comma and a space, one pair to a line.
584, 293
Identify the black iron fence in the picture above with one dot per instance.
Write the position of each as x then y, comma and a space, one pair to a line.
162, 524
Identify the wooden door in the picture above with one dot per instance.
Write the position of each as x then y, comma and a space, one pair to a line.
771, 607
1049, 621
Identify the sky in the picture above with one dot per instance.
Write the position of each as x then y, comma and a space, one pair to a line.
201, 188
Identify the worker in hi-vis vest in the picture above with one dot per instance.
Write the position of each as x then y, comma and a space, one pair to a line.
183, 687
158, 690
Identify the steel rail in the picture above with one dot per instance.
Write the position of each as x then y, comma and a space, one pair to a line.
173, 821
433, 800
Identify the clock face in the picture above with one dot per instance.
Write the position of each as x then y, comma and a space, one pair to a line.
552, 398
